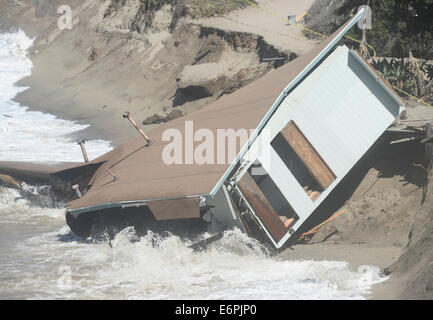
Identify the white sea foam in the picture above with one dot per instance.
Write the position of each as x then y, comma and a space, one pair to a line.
28, 135
35, 242
233, 268
17, 206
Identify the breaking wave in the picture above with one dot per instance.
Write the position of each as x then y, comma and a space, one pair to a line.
156, 267
28, 135
234, 267
28, 205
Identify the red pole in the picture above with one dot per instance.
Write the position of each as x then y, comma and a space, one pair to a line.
127, 115
83, 150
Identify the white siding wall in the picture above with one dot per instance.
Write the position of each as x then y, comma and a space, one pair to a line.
341, 110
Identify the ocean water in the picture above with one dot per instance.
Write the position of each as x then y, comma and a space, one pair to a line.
41, 259
28, 135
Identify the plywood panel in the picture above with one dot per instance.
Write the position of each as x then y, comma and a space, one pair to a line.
175, 209
287, 183
321, 172
262, 207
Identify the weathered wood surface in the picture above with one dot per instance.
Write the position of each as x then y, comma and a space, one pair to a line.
33, 171
311, 158
262, 207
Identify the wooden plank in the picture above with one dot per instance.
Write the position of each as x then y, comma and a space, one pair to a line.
313, 195
175, 209
311, 158
262, 207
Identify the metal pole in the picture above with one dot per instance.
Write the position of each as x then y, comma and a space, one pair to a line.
83, 150
112, 174
127, 115
429, 144
76, 187
272, 59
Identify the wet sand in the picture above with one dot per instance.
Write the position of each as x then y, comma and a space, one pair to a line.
356, 255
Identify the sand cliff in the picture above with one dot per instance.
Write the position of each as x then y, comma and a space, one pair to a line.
106, 64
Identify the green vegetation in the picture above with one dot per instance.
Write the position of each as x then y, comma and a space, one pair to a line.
399, 28
398, 25
194, 8
180, 8
403, 74
208, 8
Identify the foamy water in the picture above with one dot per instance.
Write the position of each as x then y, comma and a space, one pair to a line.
28, 135
234, 267
41, 259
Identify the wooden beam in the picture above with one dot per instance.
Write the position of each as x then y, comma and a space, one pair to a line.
262, 207
306, 152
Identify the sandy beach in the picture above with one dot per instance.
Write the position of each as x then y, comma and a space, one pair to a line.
357, 255
126, 75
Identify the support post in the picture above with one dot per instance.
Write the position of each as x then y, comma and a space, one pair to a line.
127, 115
83, 150
76, 187
428, 140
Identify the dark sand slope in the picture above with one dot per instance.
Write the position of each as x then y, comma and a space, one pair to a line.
415, 265
387, 220
382, 198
